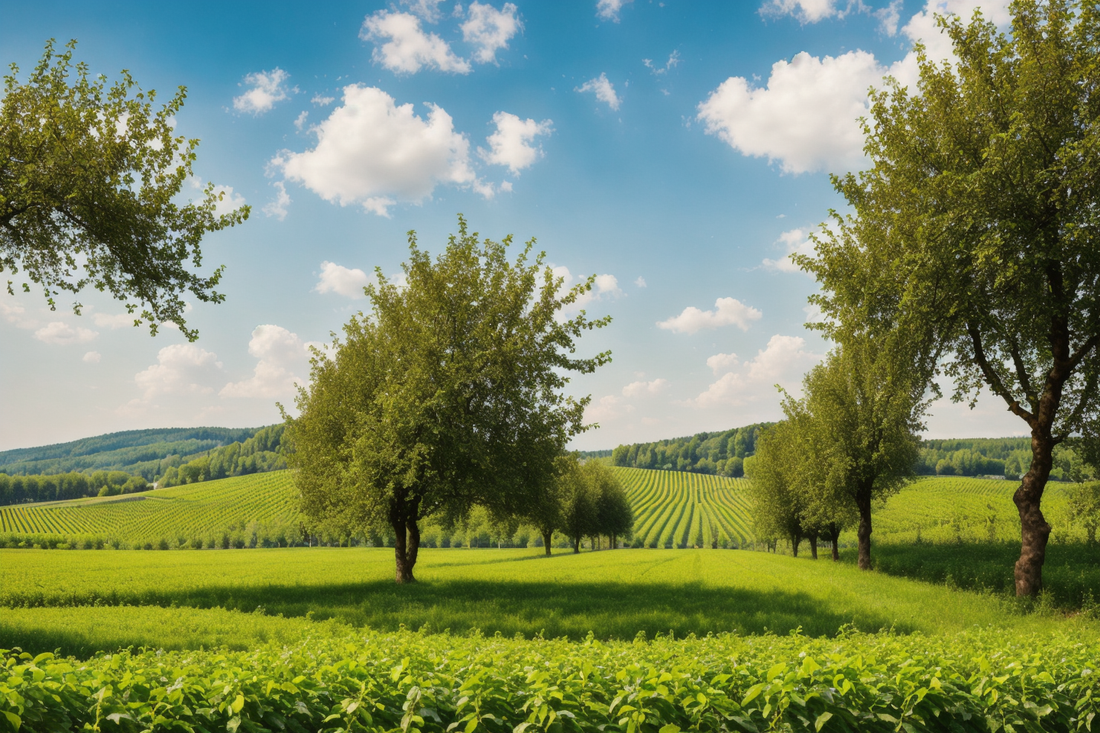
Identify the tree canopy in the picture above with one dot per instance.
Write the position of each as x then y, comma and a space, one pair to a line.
446, 396
89, 181
974, 231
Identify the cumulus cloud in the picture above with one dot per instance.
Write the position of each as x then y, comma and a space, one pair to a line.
426, 9
406, 47
341, 280
795, 241
727, 312
490, 29
92, 357
181, 369
783, 361
805, 118
511, 144
279, 353
603, 89
642, 388
609, 9
608, 407
374, 152
720, 363
57, 332
640, 282
265, 89
227, 200
277, 207
806, 11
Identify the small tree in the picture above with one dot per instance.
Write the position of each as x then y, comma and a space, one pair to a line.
773, 475
614, 517
1084, 507
578, 497
89, 177
446, 397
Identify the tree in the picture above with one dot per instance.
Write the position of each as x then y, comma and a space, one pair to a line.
1084, 507
865, 401
614, 517
89, 176
974, 233
578, 502
445, 397
773, 474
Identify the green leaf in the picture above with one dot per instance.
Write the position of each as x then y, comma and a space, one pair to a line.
822, 720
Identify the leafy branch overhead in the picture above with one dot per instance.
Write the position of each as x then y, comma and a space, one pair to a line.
90, 176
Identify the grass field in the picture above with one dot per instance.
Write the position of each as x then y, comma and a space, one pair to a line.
503, 640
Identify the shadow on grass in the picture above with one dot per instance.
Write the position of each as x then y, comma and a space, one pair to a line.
609, 610
1071, 573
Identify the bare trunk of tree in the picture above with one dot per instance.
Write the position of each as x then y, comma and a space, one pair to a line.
1034, 530
795, 542
863, 503
406, 544
576, 545
546, 538
813, 546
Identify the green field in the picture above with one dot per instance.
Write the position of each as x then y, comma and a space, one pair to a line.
303, 634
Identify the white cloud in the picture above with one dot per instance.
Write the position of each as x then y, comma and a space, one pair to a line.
640, 282
720, 363
300, 120
278, 206
374, 152
889, 17
604, 90
118, 320
640, 388
322, 101
783, 361
339, 279
227, 201
60, 333
181, 369
795, 241
806, 118
407, 48
490, 29
609, 9
267, 88
511, 144
92, 357
727, 312
279, 352
806, 11
673, 61
426, 9
604, 286
814, 314
16, 315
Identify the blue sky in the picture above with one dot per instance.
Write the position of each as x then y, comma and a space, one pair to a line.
677, 150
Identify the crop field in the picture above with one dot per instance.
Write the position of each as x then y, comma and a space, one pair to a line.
203, 511
622, 640
674, 509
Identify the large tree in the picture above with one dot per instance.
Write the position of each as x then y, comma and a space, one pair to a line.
446, 396
90, 177
975, 230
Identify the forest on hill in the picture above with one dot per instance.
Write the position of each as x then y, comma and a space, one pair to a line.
133, 461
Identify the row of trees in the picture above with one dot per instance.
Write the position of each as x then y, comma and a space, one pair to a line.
65, 486
721, 454
972, 238
262, 452
851, 440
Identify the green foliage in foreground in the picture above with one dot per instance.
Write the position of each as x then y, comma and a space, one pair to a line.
416, 682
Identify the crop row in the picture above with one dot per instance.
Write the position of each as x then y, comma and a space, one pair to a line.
420, 682
676, 509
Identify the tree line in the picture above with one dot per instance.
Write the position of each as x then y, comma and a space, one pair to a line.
65, 486
721, 454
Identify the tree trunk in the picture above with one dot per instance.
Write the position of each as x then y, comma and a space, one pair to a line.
406, 543
1034, 530
863, 503
834, 535
546, 538
813, 546
795, 542
577, 545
